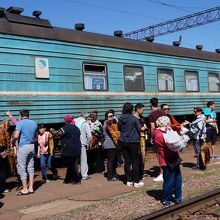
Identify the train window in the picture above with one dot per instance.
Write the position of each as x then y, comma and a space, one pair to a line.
134, 78
192, 81
213, 82
165, 80
95, 77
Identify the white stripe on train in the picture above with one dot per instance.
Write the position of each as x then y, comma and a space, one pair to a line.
110, 94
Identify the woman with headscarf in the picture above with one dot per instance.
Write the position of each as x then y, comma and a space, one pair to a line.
71, 149
169, 162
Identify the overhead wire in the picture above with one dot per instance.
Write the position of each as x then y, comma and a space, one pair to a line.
111, 9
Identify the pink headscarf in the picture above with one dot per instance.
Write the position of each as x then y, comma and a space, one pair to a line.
69, 119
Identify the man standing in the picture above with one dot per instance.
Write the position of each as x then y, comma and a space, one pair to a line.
139, 109
153, 116
85, 138
198, 129
25, 131
211, 127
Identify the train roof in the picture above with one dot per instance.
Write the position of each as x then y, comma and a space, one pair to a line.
36, 27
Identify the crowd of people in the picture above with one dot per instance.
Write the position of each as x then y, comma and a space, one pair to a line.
85, 142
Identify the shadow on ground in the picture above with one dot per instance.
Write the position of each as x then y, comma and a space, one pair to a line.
188, 164
156, 193
1, 203
153, 171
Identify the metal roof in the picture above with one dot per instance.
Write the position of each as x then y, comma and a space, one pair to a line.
40, 28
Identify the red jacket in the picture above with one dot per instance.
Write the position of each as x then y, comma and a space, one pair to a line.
163, 152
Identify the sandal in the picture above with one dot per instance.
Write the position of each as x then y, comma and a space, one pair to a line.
22, 194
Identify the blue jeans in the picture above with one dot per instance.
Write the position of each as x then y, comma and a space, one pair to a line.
172, 184
45, 159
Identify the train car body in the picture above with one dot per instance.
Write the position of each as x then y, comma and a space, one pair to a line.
55, 71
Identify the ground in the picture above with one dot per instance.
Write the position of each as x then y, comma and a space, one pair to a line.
98, 198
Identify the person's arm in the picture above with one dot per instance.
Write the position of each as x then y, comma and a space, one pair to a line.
16, 136
175, 125
152, 127
13, 120
38, 151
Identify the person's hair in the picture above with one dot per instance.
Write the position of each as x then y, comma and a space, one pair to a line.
138, 106
109, 111
84, 115
197, 109
41, 126
163, 105
154, 102
112, 111
24, 113
210, 103
94, 112
127, 108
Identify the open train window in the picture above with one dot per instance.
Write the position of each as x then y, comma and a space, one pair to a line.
134, 78
192, 81
95, 77
213, 82
165, 80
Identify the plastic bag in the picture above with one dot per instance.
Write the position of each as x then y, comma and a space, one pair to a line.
172, 140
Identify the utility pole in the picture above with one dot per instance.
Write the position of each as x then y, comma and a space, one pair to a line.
175, 25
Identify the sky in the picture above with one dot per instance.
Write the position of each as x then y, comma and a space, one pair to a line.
106, 16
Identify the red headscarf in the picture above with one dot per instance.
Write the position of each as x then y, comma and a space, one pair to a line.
69, 119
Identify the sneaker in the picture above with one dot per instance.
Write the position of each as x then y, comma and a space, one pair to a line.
45, 181
196, 167
113, 179
130, 183
140, 184
166, 204
6, 191
145, 175
159, 178
215, 157
86, 178
177, 202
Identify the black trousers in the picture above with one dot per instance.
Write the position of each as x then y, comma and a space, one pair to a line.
95, 160
110, 154
131, 152
3, 173
72, 174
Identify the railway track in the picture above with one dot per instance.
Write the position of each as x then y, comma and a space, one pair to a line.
205, 206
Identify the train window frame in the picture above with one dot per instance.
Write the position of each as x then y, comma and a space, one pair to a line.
218, 78
99, 76
172, 75
142, 87
198, 82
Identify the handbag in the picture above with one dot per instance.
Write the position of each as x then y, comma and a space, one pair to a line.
172, 164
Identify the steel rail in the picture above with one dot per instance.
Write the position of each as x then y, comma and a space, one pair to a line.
188, 207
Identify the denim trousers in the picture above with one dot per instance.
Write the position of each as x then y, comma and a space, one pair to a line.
45, 159
172, 184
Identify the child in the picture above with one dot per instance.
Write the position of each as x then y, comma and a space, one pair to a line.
45, 152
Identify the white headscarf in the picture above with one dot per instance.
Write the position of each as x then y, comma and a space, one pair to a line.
162, 122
